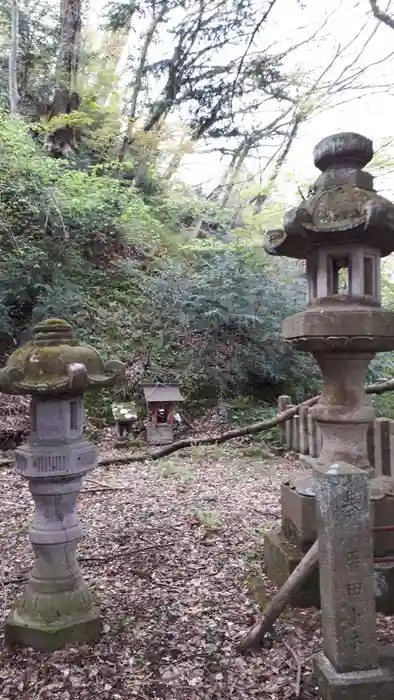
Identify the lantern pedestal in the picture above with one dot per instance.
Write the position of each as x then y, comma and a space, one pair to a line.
57, 608
342, 230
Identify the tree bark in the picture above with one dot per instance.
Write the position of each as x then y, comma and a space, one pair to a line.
281, 599
62, 141
138, 78
380, 15
13, 67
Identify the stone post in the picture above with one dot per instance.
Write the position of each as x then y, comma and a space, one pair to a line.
382, 446
289, 431
283, 404
348, 667
312, 436
296, 434
304, 437
57, 607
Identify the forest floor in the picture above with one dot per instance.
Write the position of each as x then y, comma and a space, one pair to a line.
173, 549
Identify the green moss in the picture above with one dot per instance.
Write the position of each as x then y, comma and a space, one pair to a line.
57, 322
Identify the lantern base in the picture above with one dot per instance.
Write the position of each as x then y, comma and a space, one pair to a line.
78, 629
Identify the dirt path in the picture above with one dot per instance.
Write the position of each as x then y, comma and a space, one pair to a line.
175, 556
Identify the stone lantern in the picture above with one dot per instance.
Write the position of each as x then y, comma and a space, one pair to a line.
341, 230
57, 607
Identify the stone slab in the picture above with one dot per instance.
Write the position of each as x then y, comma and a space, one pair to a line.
298, 517
82, 630
281, 558
377, 684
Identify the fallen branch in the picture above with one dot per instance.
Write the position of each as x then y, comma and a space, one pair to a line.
297, 686
378, 388
209, 439
281, 599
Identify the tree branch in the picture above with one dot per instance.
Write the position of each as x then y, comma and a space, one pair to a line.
380, 15
378, 388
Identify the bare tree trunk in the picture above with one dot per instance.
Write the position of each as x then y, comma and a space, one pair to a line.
235, 168
13, 67
186, 145
63, 141
113, 47
261, 199
138, 78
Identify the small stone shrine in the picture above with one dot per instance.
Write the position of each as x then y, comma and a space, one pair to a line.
57, 607
161, 400
126, 417
342, 230
351, 664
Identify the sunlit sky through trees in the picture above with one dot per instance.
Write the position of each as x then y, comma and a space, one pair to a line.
344, 27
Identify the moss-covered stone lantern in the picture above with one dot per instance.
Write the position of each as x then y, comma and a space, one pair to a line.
57, 607
342, 230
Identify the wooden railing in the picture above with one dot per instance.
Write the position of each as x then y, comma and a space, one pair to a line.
301, 434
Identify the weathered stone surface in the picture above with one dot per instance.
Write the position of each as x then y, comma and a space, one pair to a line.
342, 206
303, 427
298, 517
342, 230
346, 566
375, 684
54, 363
296, 434
281, 558
56, 607
283, 403
159, 434
49, 637
289, 431
312, 436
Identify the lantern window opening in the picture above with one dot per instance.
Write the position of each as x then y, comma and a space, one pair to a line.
73, 415
339, 274
369, 276
312, 279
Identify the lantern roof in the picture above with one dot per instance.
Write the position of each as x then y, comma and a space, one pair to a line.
341, 208
53, 362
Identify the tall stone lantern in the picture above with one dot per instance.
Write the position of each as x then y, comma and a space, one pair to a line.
342, 230
57, 607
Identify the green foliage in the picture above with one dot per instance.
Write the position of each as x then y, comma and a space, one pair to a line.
60, 227
219, 313
84, 246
